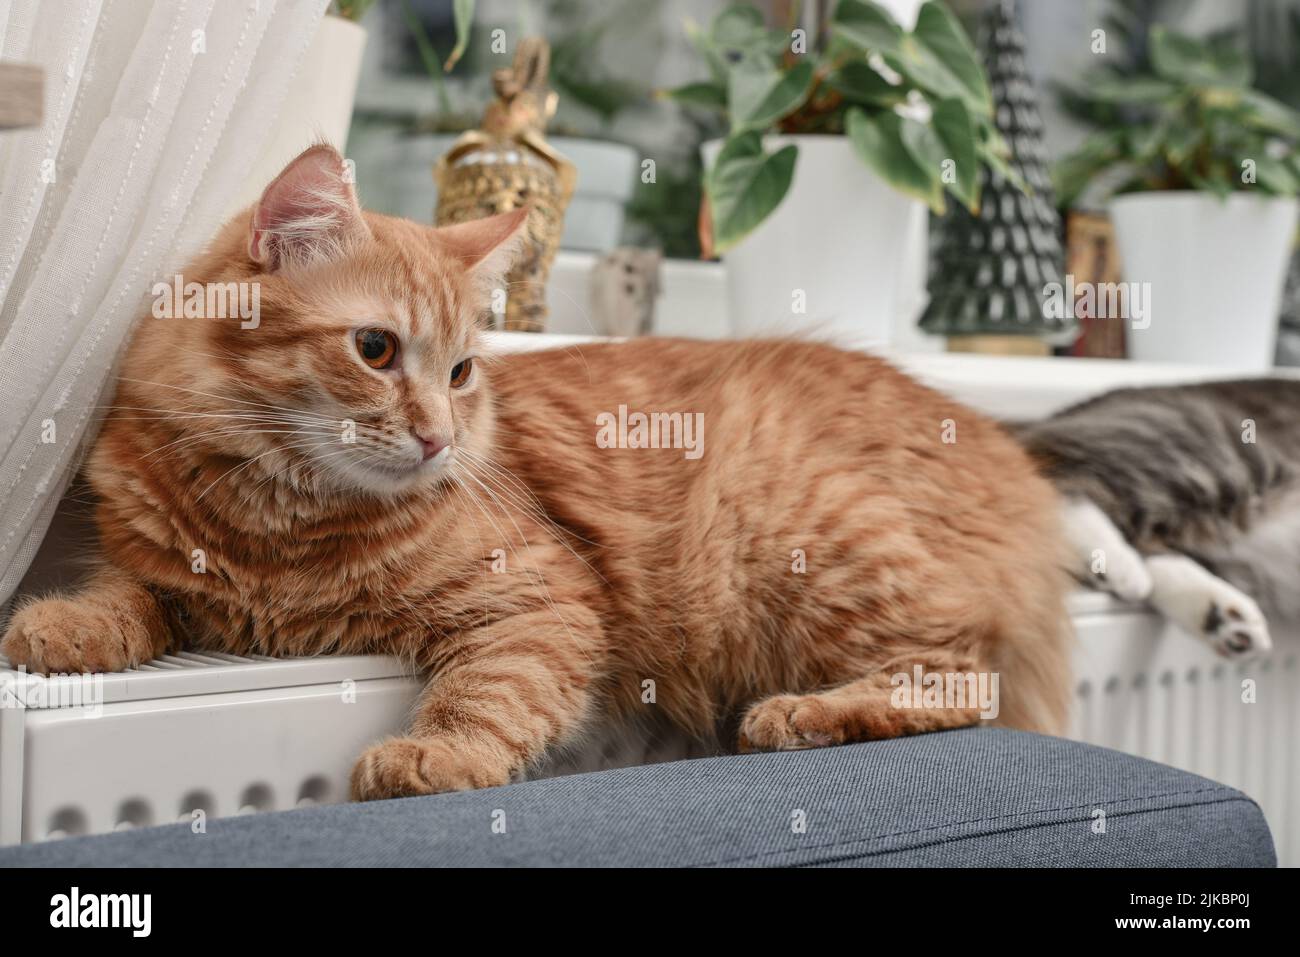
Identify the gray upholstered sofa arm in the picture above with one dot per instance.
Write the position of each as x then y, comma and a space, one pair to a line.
982, 797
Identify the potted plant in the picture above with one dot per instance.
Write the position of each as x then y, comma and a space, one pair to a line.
836, 145
318, 103
1205, 172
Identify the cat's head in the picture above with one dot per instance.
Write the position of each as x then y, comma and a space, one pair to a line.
363, 368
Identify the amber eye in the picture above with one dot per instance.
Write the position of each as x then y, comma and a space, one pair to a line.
460, 373
378, 347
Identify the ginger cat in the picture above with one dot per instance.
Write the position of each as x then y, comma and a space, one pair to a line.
825, 539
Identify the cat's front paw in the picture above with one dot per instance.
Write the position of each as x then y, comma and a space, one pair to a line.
1125, 575
1235, 627
56, 636
1205, 605
407, 767
790, 722
1102, 557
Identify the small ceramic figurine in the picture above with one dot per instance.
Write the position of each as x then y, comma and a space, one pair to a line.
506, 164
624, 286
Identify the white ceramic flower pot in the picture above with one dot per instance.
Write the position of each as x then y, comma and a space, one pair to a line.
1211, 271
607, 175
318, 105
837, 259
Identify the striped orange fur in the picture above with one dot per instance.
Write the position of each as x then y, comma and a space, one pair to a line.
765, 592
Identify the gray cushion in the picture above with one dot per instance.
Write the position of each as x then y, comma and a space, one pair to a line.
980, 796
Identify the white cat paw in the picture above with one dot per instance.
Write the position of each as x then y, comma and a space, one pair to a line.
1202, 604
1235, 627
1103, 559
1125, 575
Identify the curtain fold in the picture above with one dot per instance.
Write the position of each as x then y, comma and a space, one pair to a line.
155, 112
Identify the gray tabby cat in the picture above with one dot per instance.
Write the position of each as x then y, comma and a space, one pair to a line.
1187, 497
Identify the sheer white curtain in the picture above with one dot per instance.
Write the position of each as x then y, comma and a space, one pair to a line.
154, 114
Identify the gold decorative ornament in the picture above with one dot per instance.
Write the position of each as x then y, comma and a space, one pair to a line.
506, 164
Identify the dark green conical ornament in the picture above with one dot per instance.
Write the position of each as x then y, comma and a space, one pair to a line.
988, 271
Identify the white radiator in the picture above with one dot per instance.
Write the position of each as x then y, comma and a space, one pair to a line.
226, 735
187, 733
1144, 687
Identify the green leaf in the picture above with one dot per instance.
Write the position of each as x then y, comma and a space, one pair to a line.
1145, 142
996, 159
878, 141
1215, 184
707, 95
924, 147
1132, 90
745, 185
735, 26
939, 58
703, 44
955, 130
857, 82
1072, 174
1265, 113
1177, 56
463, 17
1185, 59
740, 146
758, 95
1275, 176
428, 55
867, 26
1180, 142
739, 31
1168, 140
1232, 67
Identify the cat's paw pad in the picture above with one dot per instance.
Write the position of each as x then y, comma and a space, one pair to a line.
407, 767
789, 723
1235, 627
55, 636
1203, 604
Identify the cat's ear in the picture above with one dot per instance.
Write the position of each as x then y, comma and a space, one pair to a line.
308, 214
486, 247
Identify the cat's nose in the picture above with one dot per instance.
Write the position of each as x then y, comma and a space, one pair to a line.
432, 444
